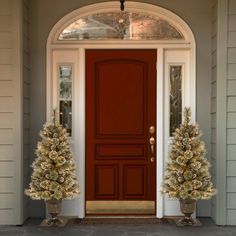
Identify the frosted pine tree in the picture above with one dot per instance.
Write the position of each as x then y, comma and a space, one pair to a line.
187, 173
53, 174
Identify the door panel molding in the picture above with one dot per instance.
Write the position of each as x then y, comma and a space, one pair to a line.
106, 182
133, 189
120, 152
106, 102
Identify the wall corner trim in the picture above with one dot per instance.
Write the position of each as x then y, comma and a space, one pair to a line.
221, 111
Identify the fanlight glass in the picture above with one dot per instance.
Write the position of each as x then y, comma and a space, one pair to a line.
121, 25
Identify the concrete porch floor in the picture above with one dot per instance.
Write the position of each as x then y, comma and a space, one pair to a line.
31, 228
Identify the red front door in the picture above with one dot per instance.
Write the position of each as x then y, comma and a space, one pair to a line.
120, 109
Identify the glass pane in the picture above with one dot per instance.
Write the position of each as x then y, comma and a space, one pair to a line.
175, 97
65, 97
66, 115
65, 82
117, 25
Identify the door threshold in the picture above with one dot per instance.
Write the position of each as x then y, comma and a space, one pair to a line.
123, 208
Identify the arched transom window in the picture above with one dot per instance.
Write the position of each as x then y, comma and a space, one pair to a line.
128, 25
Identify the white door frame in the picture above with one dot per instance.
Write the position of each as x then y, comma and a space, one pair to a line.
76, 56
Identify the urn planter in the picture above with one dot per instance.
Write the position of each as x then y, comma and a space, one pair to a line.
188, 207
54, 208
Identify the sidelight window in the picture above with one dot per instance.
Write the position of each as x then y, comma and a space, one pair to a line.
65, 96
175, 89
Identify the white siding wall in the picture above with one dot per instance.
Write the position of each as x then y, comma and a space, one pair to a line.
231, 116
219, 109
213, 100
10, 113
224, 110
26, 103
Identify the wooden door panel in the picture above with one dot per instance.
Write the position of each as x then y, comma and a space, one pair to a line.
106, 182
134, 182
120, 152
120, 99
120, 108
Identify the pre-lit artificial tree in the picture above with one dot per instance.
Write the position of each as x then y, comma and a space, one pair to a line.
187, 176
53, 177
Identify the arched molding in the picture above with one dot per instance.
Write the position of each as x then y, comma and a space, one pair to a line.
163, 13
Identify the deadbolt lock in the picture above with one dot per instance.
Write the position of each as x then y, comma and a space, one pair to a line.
152, 159
152, 129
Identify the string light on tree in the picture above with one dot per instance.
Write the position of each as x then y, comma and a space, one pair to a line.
187, 174
53, 174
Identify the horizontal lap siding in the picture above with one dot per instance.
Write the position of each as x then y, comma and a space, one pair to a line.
5, 56
5, 40
6, 215
5, 8
7, 136
6, 153
231, 71
231, 88
10, 113
231, 136
231, 217
231, 104
231, 116
7, 186
6, 200
6, 88
6, 72
7, 170
231, 168
6, 22
6, 104
6, 120
231, 152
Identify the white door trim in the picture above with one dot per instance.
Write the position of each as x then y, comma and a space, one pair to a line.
77, 207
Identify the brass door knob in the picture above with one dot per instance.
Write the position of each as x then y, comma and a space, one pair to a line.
152, 140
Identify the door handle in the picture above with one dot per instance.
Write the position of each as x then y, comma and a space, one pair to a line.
152, 142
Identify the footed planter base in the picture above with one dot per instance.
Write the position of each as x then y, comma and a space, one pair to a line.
54, 221
53, 208
63, 223
187, 207
183, 222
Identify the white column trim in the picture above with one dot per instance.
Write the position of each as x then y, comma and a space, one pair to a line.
221, 111
160, 132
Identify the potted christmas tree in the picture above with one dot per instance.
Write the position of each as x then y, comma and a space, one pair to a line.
187, 176
53, 177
